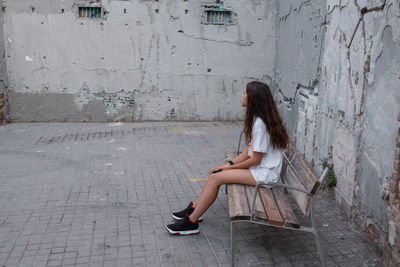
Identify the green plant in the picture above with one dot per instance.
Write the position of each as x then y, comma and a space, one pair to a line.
331, 178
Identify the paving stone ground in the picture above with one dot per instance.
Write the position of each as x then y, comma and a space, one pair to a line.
74, 194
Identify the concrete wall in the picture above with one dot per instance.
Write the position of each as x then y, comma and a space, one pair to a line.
391, 254
3, 74
338, 69
145, 60
300, 43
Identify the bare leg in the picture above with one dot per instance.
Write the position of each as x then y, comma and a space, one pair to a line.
201, 193
210, 190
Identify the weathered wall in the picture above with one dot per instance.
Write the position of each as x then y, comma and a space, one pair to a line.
146, 60
343, 105
392, 242
300, 41
3, 74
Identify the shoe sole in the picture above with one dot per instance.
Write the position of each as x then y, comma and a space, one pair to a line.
188, 232
180, 219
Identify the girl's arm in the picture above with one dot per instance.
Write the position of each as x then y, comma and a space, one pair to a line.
246, 164
241, 157
242, 161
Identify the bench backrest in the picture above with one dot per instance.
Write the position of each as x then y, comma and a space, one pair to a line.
296, 172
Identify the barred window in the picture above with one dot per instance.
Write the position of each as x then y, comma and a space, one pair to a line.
217, 14
90, 12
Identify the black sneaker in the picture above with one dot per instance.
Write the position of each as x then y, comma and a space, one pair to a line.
181, 214
183, 227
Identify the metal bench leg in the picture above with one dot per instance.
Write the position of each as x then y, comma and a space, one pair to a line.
232, 243
316, 237
319, 248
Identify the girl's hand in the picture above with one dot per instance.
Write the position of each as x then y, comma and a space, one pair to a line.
222, 167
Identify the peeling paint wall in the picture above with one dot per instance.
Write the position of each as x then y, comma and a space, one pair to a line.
391, 254
144, 60
3, 75
300, 33
337, 79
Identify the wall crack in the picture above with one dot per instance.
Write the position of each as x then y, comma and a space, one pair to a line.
240, 42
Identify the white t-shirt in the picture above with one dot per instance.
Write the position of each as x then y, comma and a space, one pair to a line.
270, 166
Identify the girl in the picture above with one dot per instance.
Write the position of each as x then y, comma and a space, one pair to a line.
266, 137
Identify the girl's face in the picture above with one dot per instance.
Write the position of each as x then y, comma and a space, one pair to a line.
244, 98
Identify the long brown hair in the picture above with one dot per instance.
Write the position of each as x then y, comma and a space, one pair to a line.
260, 103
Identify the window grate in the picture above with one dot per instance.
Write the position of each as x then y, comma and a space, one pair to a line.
219, 16
90, 12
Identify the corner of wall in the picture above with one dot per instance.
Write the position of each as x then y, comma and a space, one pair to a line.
3, 73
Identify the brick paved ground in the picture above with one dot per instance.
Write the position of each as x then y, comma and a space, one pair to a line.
100, 194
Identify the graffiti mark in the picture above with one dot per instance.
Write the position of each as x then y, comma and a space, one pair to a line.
83, 96
179, 134
170, 114
193, 132
197, 179
173, 135
115, 101
190, 138
130, 101
143, 137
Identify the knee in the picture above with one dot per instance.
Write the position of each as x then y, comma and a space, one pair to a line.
213, 180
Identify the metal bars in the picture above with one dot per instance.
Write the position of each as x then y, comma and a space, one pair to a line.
218, 16
90, 12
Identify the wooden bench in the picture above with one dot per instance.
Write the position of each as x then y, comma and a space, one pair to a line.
270, 206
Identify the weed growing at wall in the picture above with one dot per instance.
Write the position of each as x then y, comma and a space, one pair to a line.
331, 178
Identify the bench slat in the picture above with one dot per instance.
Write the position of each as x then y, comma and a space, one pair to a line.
310, 180
258, 207
286, 210
238, 205
270, 207
302, 199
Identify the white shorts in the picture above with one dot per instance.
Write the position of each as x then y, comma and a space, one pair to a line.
263, 174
